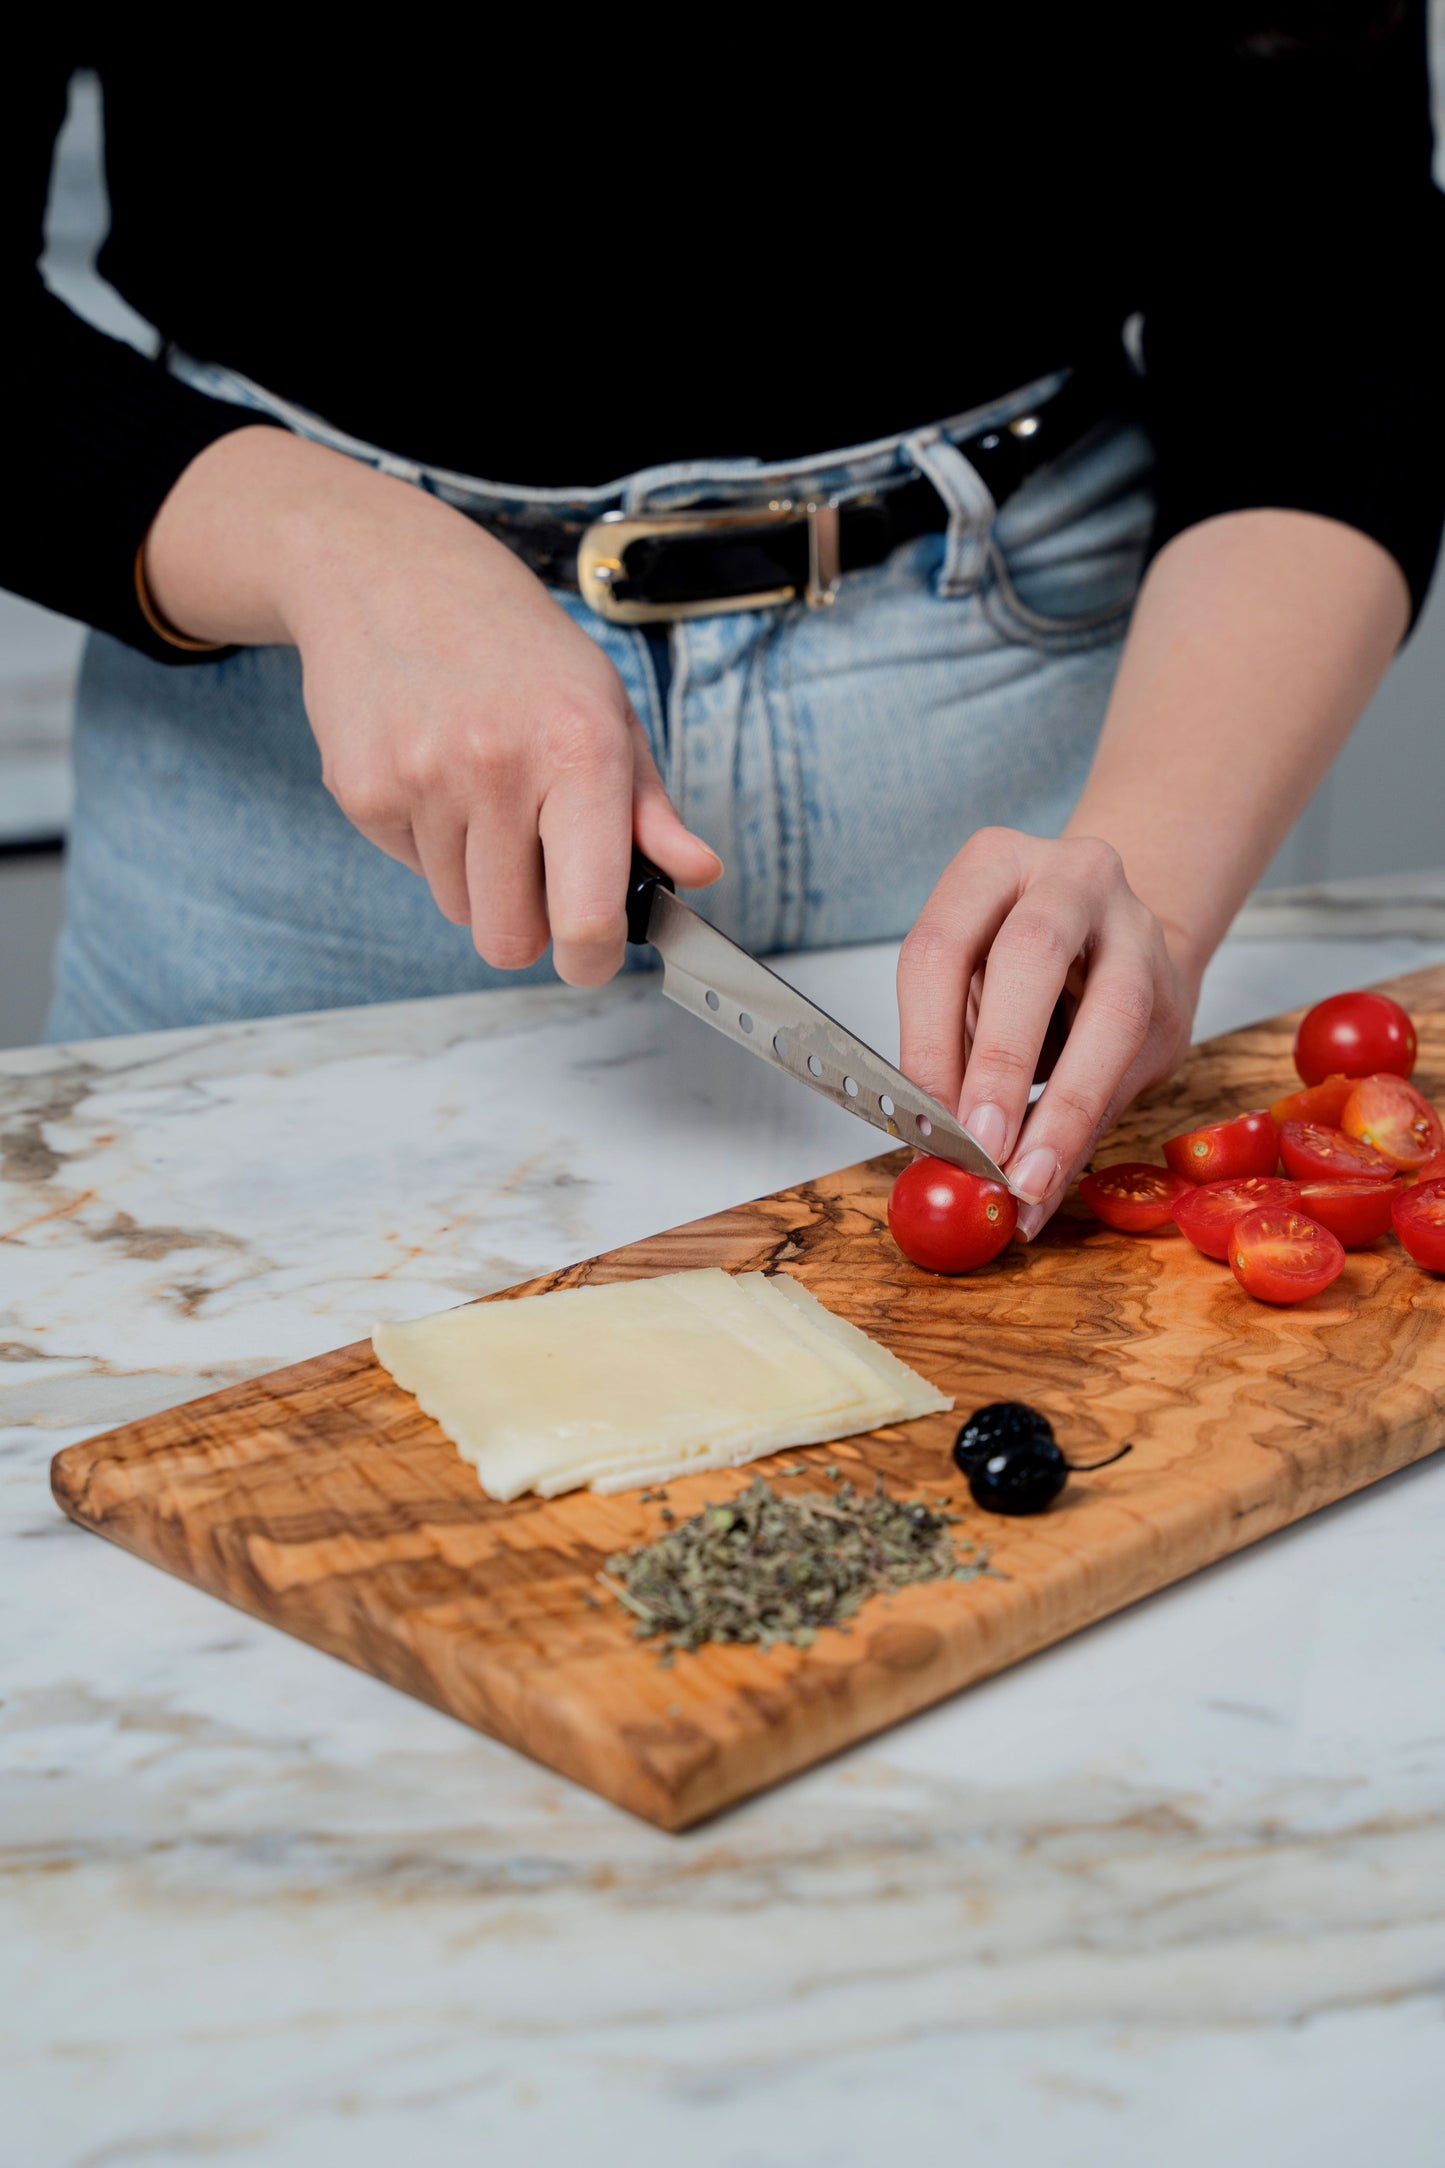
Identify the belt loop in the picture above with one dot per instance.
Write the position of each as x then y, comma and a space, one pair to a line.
971, 509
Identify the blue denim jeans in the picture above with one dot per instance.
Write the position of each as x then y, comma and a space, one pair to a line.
836, 758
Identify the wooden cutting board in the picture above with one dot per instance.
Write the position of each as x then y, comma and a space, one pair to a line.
321, 1499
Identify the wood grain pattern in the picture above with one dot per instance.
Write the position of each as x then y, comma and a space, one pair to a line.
322, 1500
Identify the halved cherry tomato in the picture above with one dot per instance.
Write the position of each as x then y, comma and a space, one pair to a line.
1355, 1035
1316, 1103
1225, 1151
1355, 1212
1280, 1256
1399, 1121
1207, 1214
1313, 1153
1420, 1223
1133, 1196
1432, 1171
947, 1220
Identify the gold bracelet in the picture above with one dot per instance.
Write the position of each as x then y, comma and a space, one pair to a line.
157, 623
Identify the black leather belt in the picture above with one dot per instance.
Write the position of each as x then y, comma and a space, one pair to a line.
703, 561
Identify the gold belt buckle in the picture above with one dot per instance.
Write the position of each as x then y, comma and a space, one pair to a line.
602, 552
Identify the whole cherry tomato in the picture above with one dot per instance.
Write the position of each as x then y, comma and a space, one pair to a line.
1207, 1214
1313, 1153
1316, 1103
1355, 1212
1280, 1256
1354, 1035
947, 1220
1420, 1223
1225, 1151
1386, 1112
1132, 1196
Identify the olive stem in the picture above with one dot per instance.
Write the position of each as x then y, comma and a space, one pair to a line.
1087, 1467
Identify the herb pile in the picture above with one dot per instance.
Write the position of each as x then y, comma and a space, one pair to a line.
767, 1567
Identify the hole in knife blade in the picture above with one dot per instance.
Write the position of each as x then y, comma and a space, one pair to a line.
746, 1021
780, 1046
815, 1067
885, 1105
925, 1126
711, 999
850, 1086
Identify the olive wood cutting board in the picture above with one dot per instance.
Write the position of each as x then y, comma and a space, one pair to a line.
321, 1499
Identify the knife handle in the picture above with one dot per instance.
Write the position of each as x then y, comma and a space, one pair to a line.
643, 881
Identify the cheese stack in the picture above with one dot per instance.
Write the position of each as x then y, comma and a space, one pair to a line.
643, 1380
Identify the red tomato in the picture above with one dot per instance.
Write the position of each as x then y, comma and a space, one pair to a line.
1432, 1171
1226, 1150
1280, 1256
1396, 1119
1420, 1223
1312, 1153
947, 1220
1207, 1214
1316, 1103
1354, 1035
1355, 1212
1133, 1196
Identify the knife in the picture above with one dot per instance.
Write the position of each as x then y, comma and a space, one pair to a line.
712, 978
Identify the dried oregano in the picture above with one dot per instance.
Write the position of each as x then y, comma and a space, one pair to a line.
766, 1567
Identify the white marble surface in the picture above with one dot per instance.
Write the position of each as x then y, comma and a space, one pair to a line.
1175, 1891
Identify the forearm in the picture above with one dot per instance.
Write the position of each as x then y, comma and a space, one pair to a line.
1257, 640
259, 519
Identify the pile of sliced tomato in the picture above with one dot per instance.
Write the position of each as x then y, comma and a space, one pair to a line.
1363, 1151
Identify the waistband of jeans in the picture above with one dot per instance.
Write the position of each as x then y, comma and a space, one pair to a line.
853, 470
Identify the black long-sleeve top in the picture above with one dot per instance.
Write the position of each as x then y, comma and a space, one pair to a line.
548, 253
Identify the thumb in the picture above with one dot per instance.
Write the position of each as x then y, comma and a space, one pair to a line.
658, 827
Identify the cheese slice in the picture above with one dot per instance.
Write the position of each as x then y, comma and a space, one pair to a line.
915, 1393
641, 1380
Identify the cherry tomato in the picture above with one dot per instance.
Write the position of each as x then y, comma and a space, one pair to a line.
1420, 1223
1432, 1171
1396, 1119
1354, 1035
947, 1220
1355, 1212
1207, 1214
1280, 1256
1133, 1196
1313, 1153
1316, 1103
1226, 1150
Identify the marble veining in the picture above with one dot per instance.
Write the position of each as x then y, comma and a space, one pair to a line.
1174, 1890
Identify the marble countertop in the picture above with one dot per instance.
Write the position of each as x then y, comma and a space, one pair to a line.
1171, 1891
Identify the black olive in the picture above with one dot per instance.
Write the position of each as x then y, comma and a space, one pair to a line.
1023, 1474
995, 1425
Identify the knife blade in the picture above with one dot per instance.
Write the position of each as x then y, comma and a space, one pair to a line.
715, 980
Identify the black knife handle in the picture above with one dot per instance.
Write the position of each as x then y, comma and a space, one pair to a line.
643, 881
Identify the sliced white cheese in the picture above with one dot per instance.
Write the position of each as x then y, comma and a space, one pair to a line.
641, 1380
916, 1395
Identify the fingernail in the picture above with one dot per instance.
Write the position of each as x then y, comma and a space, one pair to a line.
1031, 1219
988, 1127
1035, 1175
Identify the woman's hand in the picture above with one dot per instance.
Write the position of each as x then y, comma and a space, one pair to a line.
467, 727
1015, 922
1255, 643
